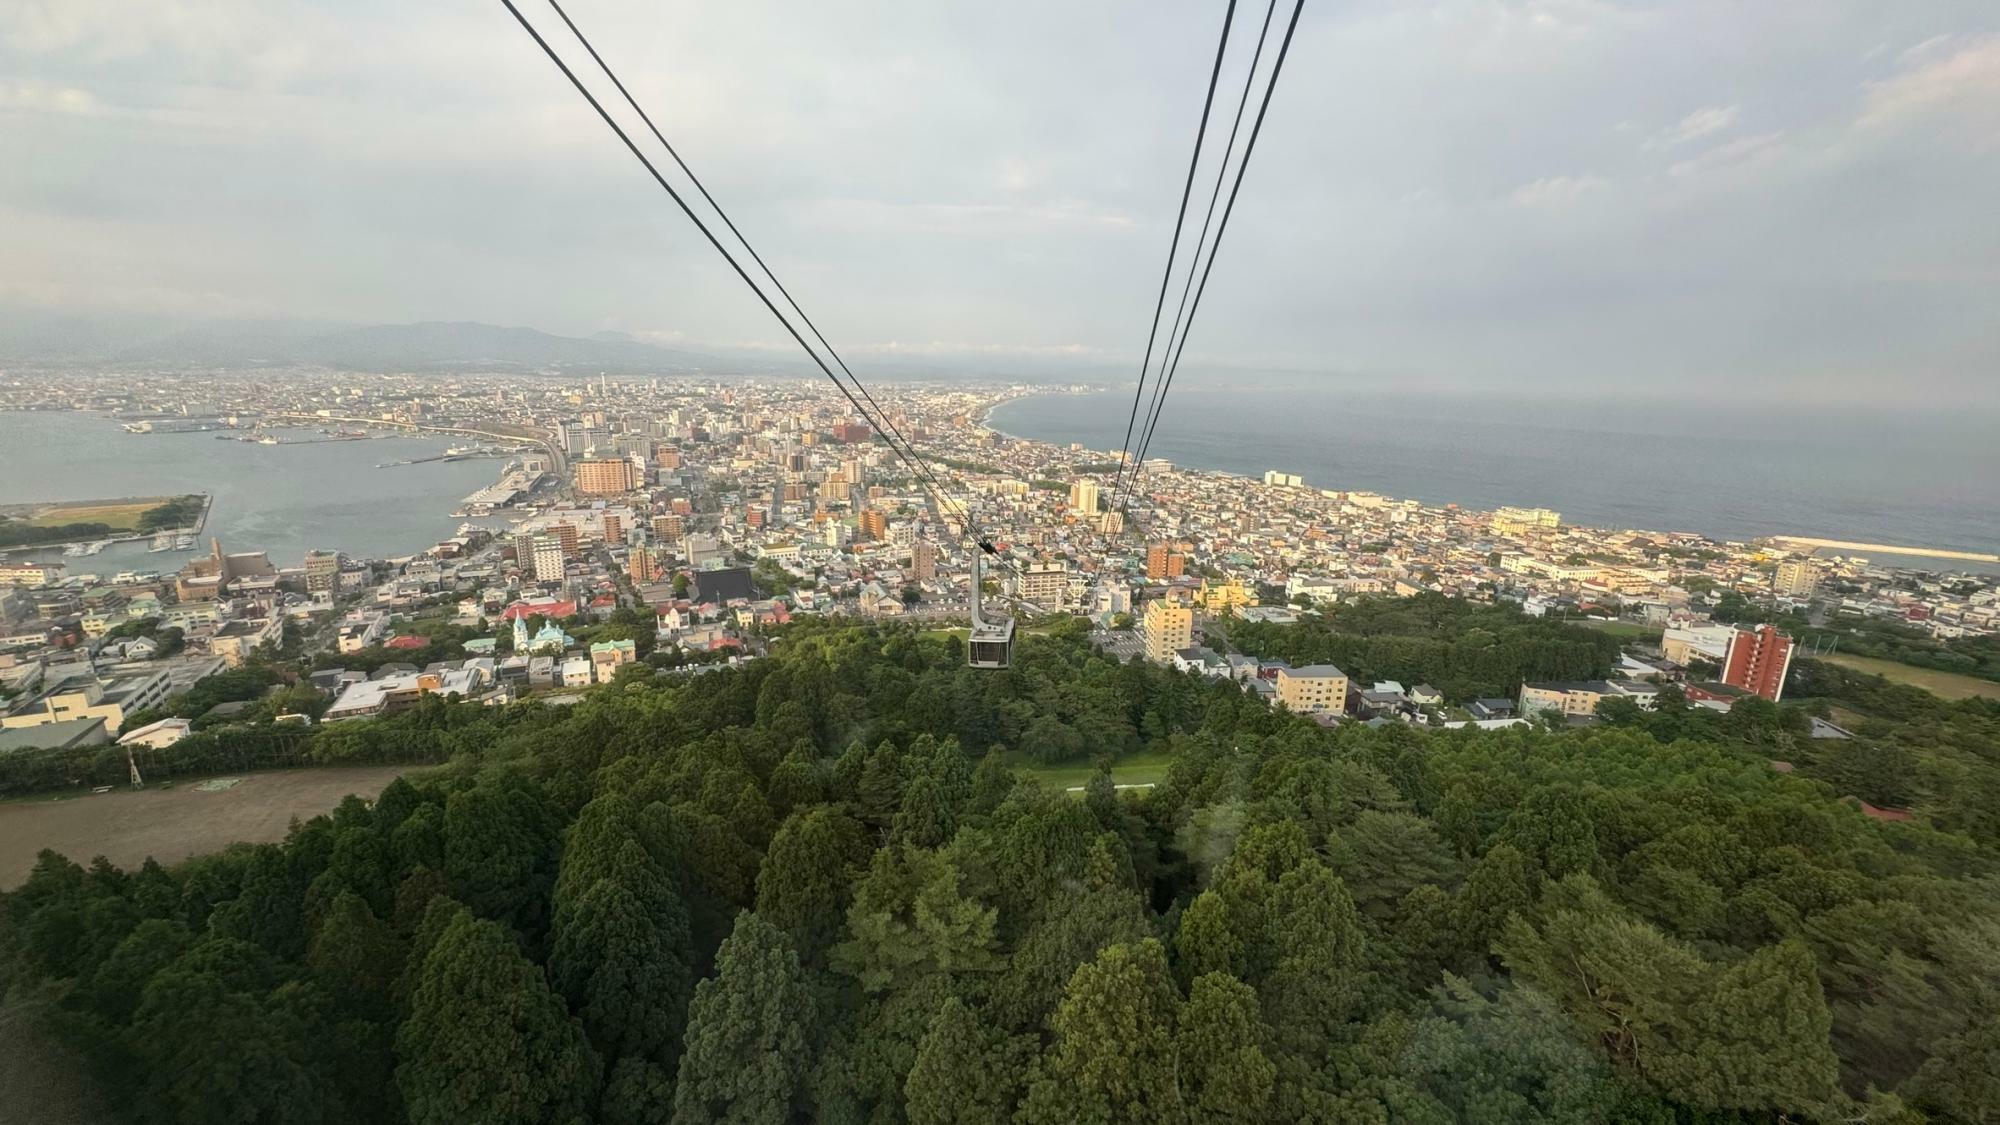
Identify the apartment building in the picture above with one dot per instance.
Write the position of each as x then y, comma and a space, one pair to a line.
1796, 579
1166, 629
605, 476
1314, 689
1083, 497
1757, 662
1046, 584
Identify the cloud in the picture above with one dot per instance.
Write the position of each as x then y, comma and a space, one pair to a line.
1555, 191
43, 97
1701, 123
1742, 150
1916, 51
1055, 216
1965, 81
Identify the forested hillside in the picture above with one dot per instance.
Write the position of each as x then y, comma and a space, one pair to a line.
809, 890
1464, 649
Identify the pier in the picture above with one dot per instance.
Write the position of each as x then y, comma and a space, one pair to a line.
1801, 543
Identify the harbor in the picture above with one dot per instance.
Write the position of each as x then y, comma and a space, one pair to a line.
455, 453
287, 497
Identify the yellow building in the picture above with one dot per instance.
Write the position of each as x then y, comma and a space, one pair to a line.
1315, 689
1567, 698
1517, 521
1219, 597
1166, 629
90, 698
1083, 497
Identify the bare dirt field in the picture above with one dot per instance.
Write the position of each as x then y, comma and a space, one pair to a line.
173, 824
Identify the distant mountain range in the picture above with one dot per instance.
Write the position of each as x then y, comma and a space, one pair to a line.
117, 343
467, 344
425, 346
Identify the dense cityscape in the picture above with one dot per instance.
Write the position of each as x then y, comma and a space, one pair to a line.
700, 512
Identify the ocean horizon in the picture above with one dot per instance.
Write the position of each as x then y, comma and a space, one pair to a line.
1726, 471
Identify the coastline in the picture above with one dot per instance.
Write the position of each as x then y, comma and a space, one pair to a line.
1945, 559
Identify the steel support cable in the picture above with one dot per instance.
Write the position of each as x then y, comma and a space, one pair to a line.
1201, 241
1167, 274
881, 427
1257, 127
887, 427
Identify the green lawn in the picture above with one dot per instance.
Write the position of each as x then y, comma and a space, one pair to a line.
1629, 630
1147, 767
1946, 685
119, 515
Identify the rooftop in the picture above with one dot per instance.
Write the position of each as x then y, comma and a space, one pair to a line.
1312, 671
50, 736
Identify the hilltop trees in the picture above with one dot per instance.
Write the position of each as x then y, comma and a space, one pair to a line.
815, 888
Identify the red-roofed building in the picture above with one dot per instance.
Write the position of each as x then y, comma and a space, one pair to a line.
553, 610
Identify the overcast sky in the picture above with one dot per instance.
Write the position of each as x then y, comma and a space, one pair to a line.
1775, 194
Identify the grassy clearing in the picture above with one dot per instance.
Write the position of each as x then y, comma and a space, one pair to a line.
1147, 767
122, 515
1946, 685
1628, 630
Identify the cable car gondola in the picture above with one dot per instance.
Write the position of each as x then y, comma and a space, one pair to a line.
991, 644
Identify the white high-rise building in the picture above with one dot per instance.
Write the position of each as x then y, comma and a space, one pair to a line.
1796, 579
549, 559
1045, 583
1083, 497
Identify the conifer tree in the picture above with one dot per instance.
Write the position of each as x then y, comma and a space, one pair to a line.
746, 1051
486, 1042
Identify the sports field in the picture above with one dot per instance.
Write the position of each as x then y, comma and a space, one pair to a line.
172, 824
1946, 685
